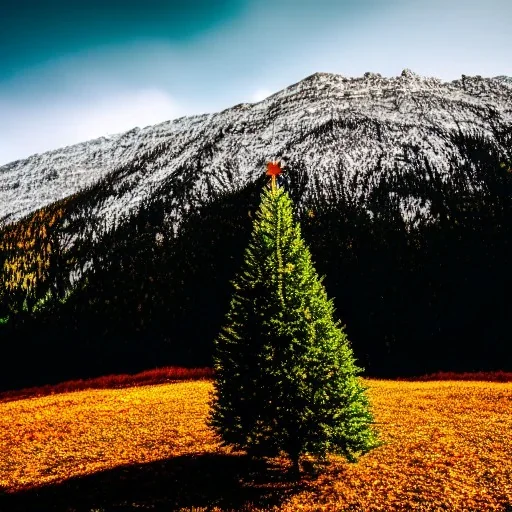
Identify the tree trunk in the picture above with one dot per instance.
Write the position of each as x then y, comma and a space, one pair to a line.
295, 469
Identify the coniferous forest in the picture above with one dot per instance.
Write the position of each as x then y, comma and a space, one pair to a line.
81, 300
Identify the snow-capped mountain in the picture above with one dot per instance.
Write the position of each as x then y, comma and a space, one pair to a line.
333, 133
400, 184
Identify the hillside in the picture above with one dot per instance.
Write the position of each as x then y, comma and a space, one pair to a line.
117, 253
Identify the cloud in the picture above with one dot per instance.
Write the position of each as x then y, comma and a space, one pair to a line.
260, 95
37, 128
114, 115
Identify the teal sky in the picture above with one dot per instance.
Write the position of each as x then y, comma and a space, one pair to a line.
74, 70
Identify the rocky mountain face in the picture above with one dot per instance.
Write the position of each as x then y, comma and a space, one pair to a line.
400, 184
336, 134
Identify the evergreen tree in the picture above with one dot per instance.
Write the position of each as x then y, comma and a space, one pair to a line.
285, 375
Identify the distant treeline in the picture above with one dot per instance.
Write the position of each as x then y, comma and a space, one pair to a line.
415, 300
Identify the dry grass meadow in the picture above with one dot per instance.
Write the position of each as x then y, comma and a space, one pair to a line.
448, 448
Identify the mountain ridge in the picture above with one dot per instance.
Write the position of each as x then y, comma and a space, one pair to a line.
265, 130
401, 187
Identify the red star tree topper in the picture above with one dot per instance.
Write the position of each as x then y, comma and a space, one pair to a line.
274, 169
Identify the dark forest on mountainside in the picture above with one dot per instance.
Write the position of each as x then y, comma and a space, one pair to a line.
414, 299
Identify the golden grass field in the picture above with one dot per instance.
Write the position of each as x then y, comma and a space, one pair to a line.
448, 447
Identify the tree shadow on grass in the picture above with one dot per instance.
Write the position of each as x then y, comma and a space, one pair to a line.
227, 481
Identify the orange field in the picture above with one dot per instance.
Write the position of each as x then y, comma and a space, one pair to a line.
448, 447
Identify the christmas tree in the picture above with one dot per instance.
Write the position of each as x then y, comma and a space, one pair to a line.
285, 375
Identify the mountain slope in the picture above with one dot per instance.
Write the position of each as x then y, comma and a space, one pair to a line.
332, 131
400, 185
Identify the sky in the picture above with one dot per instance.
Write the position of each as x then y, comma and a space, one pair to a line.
75, 70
